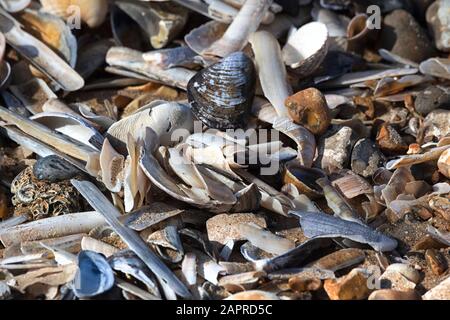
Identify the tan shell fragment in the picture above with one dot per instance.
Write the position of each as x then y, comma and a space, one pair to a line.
92, 12
225, 227
112, 164
444, 163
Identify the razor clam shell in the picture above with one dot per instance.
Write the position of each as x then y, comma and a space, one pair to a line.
286, 274
408, 160
338, 260
40, 94
189, 268
148, 216
71, 244
202, 37
237, 35
294, 257
59, 226
14, 5
265, 240
199, 238
42, 22
91, 244
98, 201
176, 57
127, 262
132, 62
320, 225
46, 60
72, 126
392, 57
271, 70
135, 291
94, 275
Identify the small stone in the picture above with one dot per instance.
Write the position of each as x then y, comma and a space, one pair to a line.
403, 36
392, 279
438, 19
390, 141
436, 125
224, 227
441, 207
301, 284
433, 97
436, 261
422, 212
405, 270
366, 158
353, 286
337, 150
439, 292
389, 294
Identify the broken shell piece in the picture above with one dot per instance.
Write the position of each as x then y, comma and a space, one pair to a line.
336, 150
409, 160
302, 284
224, 227
54, 169
161, 21
222, 95
202, 37
309, 108
340, 259
439, 292
436, 261
444, 163
237, 35
304, 179
436, 67
320, 225
390, 294
359, 34
94, 275
92, 12
148, 216
111, 164
438, 21
306, 48
265, 240
352, 286
433, 97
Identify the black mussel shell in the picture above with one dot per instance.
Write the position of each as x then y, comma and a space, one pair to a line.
54, 169
221, 95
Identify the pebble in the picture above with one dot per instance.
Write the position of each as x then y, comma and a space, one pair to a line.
389, 294
337, 150
433, 97
439, 292
366, 158
393, 279
301, 284
444, 163
353, 286
403, 36
438, 19
390, 141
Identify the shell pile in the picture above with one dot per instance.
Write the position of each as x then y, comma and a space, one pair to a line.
226, 149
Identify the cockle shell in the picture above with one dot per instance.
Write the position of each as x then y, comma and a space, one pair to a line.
222, 95
92, 12
306, 48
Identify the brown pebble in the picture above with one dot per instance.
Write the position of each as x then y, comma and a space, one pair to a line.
389, 140
422, 212
302, 284
310, 109
436, 261
353, 286
441, 206
389, 294
3, 206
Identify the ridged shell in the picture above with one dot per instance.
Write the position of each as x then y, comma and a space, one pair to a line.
222, 95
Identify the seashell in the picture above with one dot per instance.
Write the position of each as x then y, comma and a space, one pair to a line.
54, 169
237, 35
264, 239
271, 70
433, 97
336, 150
389, 140
359, 34
400, 29
394, 58
201, 38
46, 61
405, 270
304, 179
72, 126
92, 56
322, 225
14, 5
306, 48
436, 67
92, 12
161, 21
436, 261
52, 31
439, 23
409, 160
163, 118
309, 108
94, 275
222, 95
